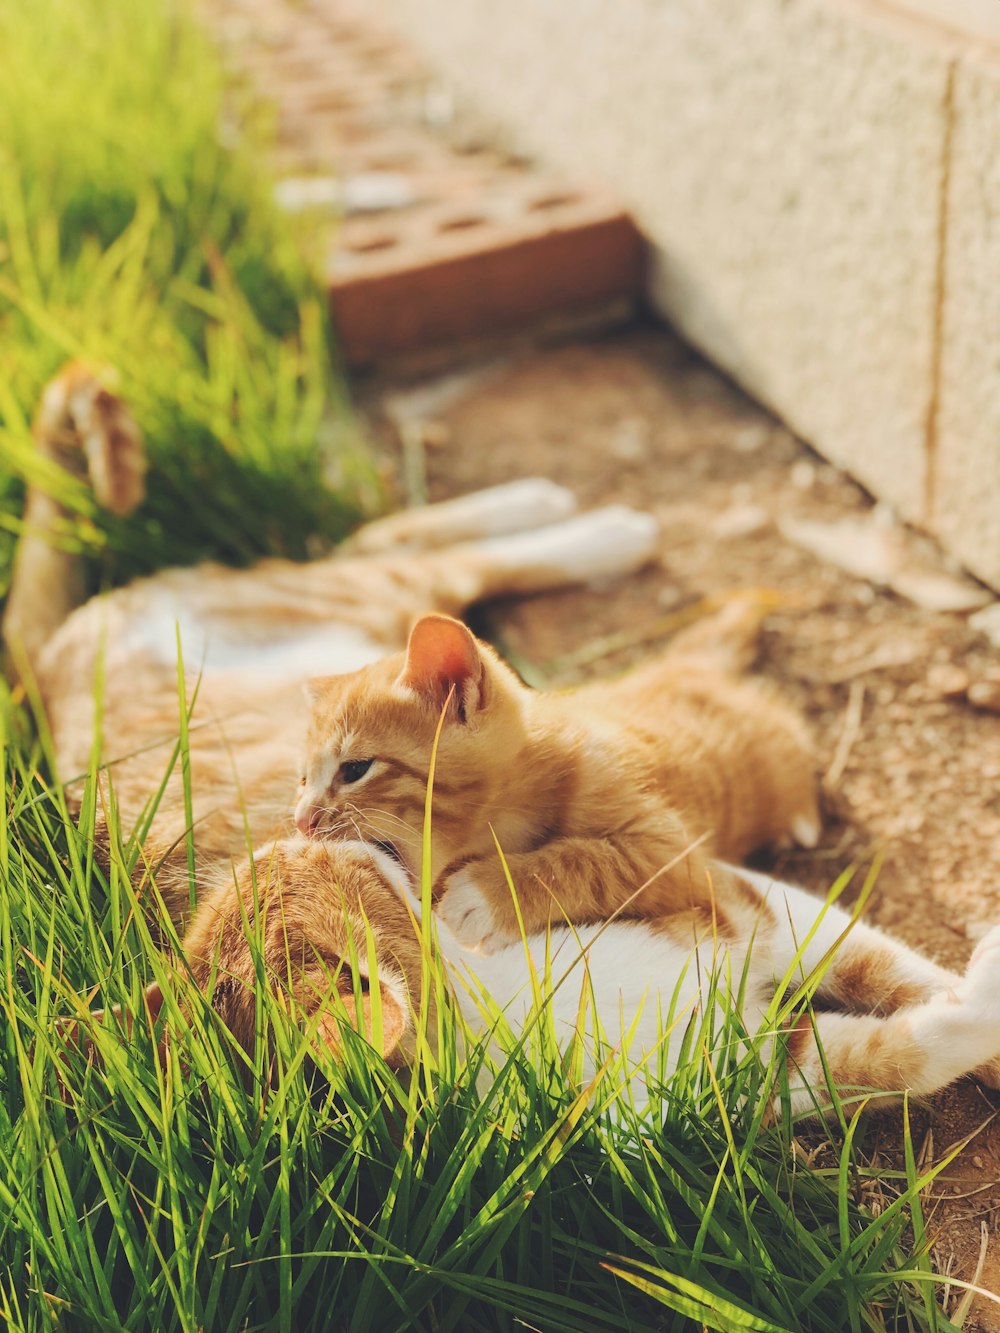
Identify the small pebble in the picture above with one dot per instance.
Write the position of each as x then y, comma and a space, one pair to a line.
631, 440
803, 474
985, 693
987, 622
948, 680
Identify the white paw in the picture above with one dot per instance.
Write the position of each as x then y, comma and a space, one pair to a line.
466, 911
532, 502
618, 541
980, 986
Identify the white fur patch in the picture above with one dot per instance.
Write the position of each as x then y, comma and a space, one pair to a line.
529, 503
324, 649
958, 1037
389, 868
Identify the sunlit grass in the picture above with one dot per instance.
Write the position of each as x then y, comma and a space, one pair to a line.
130, 236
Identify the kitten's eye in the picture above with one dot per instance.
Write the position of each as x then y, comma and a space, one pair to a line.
355, 769
302, 779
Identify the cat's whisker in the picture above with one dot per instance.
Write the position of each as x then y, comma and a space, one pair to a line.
371, 813
330, 828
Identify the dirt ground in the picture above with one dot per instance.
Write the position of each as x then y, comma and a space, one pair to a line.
911, 772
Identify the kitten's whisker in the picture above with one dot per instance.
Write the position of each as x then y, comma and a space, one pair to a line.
330, 828
383, 818
386, 816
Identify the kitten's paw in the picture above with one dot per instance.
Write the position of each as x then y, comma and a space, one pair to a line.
466, 911
78, 413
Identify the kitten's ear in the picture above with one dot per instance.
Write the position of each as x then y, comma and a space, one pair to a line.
314, 689
394, 1019
442, 659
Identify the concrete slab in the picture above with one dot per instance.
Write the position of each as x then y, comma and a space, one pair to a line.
786, 158
966, 504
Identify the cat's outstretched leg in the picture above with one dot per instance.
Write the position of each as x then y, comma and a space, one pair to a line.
919, 1049
532, 502
604, 543
727, 639
865, 971
81, 426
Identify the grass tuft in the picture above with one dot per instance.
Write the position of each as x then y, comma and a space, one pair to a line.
131, 236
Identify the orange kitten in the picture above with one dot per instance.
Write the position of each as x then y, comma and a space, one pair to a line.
591, 794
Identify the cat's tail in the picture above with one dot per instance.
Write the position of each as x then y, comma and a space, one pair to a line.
84, 429
726, 639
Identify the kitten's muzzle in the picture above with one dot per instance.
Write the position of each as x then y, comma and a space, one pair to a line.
308, 819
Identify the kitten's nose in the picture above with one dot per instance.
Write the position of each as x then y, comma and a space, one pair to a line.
307, 820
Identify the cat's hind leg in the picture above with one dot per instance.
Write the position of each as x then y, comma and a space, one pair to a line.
727, 639
873, 973
531, 502
920, 1048
864, 971
604, 543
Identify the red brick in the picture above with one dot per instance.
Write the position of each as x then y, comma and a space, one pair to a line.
411, 291
493, 244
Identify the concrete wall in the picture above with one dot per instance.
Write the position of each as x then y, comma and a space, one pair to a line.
821, 181
965, 441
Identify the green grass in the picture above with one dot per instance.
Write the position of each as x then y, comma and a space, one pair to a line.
222, 1191
129, 236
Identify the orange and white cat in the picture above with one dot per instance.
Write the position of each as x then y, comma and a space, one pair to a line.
250, 636
905, 1023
